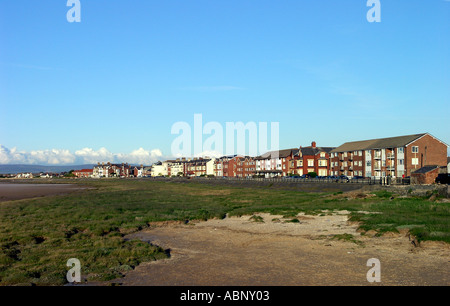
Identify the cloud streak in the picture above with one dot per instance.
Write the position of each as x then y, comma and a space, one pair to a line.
211, 88
82, 156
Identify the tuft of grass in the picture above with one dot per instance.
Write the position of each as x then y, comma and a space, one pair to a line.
347, 237
255, 218
295, 220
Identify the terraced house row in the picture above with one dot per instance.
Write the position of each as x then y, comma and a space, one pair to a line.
394, 156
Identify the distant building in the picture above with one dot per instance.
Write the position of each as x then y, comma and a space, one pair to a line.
176, 167
24, 175
199, 166
274, 163
84, 173
112, 170
158, 169
137, 171
311, 159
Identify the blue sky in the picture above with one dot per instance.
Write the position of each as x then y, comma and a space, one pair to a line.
115, 83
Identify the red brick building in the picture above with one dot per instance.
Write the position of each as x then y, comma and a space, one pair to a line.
394, 156
245, 166
84, 173
425, 175
311, 159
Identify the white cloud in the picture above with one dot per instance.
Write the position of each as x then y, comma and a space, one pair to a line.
140, 156
89, 156
83, 156
50, 157
214, 154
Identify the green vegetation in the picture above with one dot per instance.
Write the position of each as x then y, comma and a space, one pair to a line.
69, 174
295, 220
312, 174
38, 236
255, 218
347, 237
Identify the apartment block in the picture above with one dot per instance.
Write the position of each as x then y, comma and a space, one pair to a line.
311, 159
394, 156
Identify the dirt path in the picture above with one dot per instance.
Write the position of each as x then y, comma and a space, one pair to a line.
239, 252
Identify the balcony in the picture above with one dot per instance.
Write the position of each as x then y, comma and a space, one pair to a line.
377, 156
391, 156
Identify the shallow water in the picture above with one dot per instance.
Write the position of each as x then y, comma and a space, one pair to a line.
12, 191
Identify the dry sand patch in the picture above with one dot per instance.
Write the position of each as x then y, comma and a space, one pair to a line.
236, 251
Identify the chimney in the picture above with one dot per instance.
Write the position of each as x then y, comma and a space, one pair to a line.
313, 144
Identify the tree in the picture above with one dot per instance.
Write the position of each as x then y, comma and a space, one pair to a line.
69, 174
312, 174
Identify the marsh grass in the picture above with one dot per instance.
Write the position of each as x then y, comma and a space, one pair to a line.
38, 236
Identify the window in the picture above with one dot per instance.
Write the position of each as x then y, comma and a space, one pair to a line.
401, 162
310, 162
400, 150
415, 161
415, 149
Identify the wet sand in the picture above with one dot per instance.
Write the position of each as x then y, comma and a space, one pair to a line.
13, 191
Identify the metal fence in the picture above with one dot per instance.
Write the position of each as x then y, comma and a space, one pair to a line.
362, 181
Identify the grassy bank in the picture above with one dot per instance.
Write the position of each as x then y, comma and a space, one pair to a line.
38, 236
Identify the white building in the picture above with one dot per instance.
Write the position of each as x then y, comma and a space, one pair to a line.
210, 165
160, 169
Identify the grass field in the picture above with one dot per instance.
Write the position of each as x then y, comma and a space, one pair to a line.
38, 236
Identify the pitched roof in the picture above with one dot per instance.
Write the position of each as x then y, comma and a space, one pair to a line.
315, 150
281, 153
426, 169
381, 143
